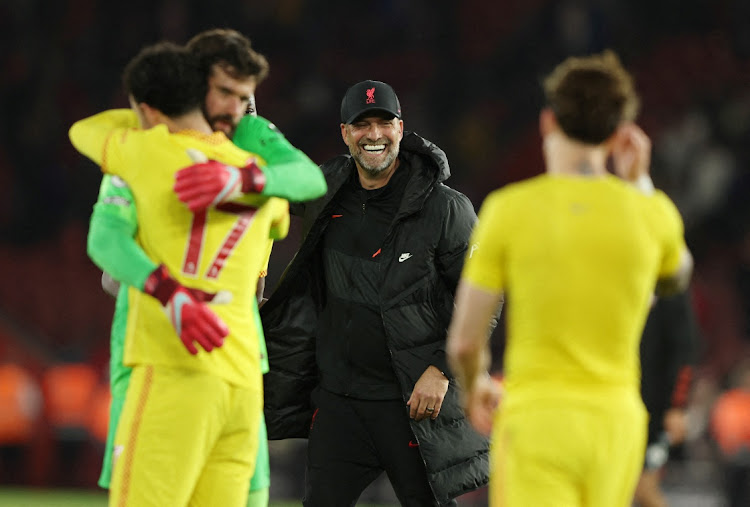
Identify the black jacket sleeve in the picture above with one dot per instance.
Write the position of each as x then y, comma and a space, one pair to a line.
454, 240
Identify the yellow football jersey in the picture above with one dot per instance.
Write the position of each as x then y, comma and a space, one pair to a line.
223, 248
578, 259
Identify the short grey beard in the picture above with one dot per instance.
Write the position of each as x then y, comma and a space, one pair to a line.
374, 172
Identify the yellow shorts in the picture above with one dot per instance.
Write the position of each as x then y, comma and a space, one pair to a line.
568, 452
184, 437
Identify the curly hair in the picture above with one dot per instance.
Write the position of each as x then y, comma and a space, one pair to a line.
591, 96
232, 51
167, 77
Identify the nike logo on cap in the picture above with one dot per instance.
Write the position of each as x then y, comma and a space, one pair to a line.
404, 256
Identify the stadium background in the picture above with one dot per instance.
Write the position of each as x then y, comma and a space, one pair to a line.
467, 74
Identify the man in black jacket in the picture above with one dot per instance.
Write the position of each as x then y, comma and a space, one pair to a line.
356, 328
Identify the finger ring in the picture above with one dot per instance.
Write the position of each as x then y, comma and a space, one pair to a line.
430, 409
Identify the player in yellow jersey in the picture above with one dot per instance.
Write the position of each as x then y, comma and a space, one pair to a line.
233, 70
577, 252
189, 428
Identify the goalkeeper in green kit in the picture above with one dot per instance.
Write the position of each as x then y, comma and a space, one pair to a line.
232, 82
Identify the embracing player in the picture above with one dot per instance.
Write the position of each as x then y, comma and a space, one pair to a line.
233, 71
189, 426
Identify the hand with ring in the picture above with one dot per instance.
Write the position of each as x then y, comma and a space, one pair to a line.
427, 397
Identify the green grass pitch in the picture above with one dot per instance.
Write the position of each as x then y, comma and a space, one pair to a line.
21, 497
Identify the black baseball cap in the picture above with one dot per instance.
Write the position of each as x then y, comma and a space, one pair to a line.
369, 96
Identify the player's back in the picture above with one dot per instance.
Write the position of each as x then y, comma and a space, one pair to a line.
217, 249
581, 260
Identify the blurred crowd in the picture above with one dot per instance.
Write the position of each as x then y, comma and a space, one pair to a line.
467, 74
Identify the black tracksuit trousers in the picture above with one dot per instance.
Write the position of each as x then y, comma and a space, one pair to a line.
352, 441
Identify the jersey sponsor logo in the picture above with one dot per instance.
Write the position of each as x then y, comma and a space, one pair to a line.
116, 200
404, 256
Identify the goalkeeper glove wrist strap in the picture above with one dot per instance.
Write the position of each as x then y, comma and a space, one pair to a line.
253, 179
160, 285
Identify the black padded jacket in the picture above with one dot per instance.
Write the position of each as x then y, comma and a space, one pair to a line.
433, 224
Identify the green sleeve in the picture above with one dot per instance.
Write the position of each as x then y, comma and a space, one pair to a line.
290, 174
111, 240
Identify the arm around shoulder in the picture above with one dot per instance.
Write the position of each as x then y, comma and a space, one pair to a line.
289, 172
89, 136
295, 181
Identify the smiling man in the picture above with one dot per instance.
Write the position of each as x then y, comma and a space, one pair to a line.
365, 306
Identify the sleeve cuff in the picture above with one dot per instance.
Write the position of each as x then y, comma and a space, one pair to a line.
438, 361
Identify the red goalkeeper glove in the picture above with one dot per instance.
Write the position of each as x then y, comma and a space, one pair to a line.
208, 182
191, 317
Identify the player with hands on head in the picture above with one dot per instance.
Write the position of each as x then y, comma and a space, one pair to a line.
631, 156
579, 273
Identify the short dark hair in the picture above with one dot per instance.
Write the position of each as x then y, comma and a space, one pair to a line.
232, 51
166, 77
591, 96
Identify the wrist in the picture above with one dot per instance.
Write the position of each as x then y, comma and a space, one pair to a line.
253, 179
439, 370
160, 285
